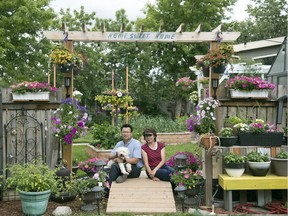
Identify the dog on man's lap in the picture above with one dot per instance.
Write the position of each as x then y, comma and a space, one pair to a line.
122, 153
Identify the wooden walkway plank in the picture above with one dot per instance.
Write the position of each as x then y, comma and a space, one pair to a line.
141, 196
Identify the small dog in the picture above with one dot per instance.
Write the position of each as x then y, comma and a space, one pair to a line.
122, 153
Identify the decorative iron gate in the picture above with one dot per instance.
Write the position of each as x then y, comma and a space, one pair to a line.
24, 138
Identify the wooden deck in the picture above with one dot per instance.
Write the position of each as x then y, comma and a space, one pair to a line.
141, 196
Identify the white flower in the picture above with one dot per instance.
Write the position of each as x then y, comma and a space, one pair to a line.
119, 94
77, 93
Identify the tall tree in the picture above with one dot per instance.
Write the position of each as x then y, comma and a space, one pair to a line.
23, 52
269, 19
266, 19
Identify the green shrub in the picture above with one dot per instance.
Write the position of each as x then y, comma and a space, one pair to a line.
105, 136
159, 123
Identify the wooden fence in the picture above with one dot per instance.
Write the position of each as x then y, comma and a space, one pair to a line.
22, 141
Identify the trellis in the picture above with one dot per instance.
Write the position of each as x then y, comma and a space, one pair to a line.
179, 36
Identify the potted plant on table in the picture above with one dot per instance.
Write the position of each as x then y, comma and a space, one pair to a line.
204, 122
227, 137
258, 163
234, 164
248, 87
32, 91
279, 163
34, 183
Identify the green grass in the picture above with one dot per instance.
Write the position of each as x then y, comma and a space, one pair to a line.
85, 139
79, 151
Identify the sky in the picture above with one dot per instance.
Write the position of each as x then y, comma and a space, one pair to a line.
106, 8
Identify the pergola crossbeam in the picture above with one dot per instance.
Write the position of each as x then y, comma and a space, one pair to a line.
148, 37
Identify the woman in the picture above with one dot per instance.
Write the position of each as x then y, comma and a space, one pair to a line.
154, 156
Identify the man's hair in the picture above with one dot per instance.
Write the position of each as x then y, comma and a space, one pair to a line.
127, 126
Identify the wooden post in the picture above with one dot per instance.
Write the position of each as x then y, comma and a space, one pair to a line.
67, 149
127, 116
208, 154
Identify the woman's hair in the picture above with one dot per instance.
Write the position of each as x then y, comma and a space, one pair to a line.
150, 131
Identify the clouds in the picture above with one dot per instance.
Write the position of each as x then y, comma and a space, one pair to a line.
104, 9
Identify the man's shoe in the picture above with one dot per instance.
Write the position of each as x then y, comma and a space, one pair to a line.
121, 179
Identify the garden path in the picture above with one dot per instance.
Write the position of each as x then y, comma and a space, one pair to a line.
141, 196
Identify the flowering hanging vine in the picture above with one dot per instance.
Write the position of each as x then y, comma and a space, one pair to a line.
69, 121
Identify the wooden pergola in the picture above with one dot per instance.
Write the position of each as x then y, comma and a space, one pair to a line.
179, 36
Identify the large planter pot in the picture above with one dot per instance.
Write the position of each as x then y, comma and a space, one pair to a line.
228, 141
219, 70
257, 94
31, 96
261, 139
279, 166
234, 169
34, 203
259, 168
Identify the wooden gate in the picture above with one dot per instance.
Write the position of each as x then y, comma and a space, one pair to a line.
25, 130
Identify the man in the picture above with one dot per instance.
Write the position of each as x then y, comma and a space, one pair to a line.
135, 158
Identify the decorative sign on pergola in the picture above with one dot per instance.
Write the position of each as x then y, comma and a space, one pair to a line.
179, 36
149, 37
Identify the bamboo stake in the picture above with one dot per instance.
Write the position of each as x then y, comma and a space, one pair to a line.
112, 119
54, 74
127, 116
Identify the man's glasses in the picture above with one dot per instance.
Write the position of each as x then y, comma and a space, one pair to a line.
148, 135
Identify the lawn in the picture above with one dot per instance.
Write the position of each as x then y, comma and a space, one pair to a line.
79, 151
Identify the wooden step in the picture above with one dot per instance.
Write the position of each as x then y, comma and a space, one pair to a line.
141, 196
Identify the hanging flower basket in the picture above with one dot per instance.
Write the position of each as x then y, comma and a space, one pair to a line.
219, 69
65, 68
257, 94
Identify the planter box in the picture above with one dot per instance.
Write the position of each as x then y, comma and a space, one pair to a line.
29, 96
258, 94
262, 139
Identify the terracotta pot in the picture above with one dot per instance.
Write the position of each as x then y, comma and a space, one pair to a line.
208, 141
